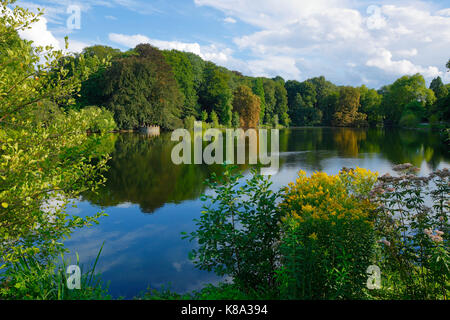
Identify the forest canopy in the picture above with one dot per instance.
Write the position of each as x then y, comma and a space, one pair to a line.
146, 86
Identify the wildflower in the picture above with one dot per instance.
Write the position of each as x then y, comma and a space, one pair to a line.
313, 236
436, 238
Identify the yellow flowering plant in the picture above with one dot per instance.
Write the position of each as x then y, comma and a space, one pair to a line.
328, 239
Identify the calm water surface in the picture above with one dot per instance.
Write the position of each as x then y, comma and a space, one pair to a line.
150, 201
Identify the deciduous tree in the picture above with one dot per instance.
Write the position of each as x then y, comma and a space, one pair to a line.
247, 105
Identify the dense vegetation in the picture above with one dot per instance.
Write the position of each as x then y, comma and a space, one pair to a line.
146, 86
47, 157
296, 243
317, 238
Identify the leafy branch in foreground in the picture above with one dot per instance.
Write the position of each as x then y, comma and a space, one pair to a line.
46, 155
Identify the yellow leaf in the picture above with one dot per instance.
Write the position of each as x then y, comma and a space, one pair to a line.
4, 205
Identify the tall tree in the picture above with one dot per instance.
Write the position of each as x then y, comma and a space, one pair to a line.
258, 89
326, 97
92, 89
347, 108
142, 91
438, 87
269, 97
402, 92
302, 111
215, 93
371, 105
184, 74
248, 105
281, 106
292, 89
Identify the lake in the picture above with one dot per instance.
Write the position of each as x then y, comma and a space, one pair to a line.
150, 201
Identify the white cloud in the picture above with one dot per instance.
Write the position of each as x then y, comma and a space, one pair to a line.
40, 35
401, 67
314, 37
280, 65
210, 52
229, 20
407, 53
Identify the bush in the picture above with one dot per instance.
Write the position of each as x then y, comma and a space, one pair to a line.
101, 120
409, 120
413, 229
238, 231
328, 240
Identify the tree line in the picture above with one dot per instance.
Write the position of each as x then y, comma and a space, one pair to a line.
147, 86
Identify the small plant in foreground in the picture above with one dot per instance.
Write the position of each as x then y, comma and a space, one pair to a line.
238, 230
413, 229
328, 239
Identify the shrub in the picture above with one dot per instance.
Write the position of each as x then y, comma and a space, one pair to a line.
409, 120
413, 230
328, 239
238, 231
101, 120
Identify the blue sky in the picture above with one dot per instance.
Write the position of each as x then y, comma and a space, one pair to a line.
348, 41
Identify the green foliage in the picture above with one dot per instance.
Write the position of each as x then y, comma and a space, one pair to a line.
409, 120
30, 279
275, 121
204, 116
236, 122
189, 122
222, 291
238, 231
215, 93
269, 97
142, 91
416, 108
42, 160
438, 87
184, 74
413, 228
214, 119
247, 105
328, 236
281, 107
346, 110
102, 119
370, 101
403, 91
258, 89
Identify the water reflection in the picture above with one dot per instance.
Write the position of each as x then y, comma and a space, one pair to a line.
144, 250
